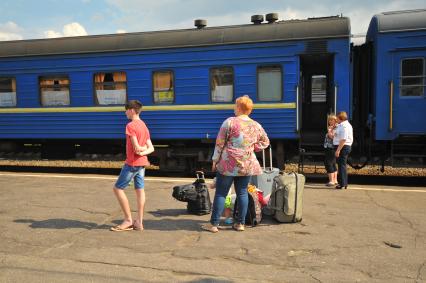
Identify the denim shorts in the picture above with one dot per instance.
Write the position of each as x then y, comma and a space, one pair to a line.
137, 173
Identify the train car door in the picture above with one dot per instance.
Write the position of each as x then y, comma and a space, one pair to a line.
407, 94
316, 96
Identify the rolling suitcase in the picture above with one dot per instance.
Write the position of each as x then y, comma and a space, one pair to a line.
286, 200
264, 181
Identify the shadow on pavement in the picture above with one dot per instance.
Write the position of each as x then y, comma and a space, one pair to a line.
168, 212
173, 224
60, 223
159, 225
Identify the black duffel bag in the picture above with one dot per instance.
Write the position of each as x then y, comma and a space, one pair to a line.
196, 195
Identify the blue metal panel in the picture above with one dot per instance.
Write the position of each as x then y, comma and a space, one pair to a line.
408, 112
341, 50
168, 125
62, 125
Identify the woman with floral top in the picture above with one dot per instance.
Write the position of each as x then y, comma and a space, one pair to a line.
235, 161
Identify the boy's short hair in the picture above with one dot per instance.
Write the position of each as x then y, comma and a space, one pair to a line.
134, 104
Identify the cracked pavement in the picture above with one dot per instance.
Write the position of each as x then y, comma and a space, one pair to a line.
56, 229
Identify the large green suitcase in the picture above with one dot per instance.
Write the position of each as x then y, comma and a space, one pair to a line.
286, 200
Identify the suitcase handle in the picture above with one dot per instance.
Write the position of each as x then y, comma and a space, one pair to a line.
199, 173
270, 158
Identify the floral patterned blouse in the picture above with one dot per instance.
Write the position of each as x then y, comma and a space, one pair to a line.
243, 136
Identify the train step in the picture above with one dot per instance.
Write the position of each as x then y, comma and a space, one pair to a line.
311, 157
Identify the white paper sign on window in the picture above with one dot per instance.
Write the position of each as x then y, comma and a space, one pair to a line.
7, 99
107, 97
55, 98
222, 93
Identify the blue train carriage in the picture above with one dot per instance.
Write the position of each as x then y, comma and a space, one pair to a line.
65, 92
398, 47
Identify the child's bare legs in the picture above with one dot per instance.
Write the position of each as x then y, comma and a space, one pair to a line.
227, 212
140, 202
124, 204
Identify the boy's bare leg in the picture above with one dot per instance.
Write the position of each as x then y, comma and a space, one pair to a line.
125, 207
140, 201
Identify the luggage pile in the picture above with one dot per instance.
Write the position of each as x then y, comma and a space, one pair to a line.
273, 193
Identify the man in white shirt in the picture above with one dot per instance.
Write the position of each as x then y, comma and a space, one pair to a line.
344, 136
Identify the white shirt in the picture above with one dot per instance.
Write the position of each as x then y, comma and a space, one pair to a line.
344, 131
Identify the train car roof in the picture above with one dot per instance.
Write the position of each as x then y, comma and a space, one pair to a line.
310, 29
401, 20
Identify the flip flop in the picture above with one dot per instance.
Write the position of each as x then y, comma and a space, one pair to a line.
118, 228
210, 228
137, 228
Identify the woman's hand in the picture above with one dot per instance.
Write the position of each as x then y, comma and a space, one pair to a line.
330, 132
213, 166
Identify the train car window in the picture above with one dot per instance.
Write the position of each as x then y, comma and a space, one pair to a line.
55, 90
319, 88
222, 84
412, 80
110, 88
269, 83
7, 92
163, 87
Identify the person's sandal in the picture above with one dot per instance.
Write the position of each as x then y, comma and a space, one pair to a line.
137, 227
238, 227
209, 227
119, 228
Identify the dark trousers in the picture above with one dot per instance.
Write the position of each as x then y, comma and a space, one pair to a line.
342, 173
330, 160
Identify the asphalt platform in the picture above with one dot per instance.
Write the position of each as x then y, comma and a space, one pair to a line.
55, 228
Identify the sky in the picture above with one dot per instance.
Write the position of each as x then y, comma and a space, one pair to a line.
28, 19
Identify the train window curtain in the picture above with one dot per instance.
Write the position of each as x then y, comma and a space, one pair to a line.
412, 77
110, 88
54, 91
7, 92
269, 83
319, 88
163, 87
222, 84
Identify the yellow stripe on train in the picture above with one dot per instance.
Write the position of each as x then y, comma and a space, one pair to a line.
145, 108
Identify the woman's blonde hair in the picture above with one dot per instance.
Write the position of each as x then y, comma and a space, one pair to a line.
331, 117
244, 104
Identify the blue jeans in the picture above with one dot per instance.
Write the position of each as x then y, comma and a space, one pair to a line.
342, 174
223, 184
137, 173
